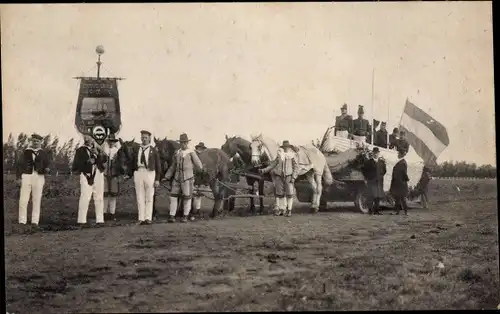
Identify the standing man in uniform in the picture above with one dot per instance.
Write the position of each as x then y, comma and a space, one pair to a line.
374, 171
146, 171
182, 172
32, 166
399, 183
111, 175
287, 168
402, 144
361, 126
343, 123
89, 164
380, 138
393, 139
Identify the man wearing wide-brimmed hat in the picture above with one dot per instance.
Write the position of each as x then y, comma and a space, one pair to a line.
32, 166
111, 175
361, 127
182, 172
399, 183
89, 164
287, 169
147, 172
343, 123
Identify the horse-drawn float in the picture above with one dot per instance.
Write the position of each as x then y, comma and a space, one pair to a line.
345, 158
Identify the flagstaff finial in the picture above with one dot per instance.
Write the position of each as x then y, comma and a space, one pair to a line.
99, 50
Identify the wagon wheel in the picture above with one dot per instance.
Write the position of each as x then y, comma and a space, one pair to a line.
361, 201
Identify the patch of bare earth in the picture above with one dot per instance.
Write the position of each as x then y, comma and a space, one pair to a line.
328, 261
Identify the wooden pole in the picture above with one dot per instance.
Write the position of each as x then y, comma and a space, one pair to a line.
373, 88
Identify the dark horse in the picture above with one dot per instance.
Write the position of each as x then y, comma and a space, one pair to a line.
217, 166
240, 152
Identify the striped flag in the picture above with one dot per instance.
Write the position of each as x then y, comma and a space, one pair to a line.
427, 136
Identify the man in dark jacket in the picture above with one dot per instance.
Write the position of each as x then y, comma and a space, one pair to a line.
393, 139
381, 136
399, 183
374, 170
32, 166
402, 143
423, 186
343, 123
361, 126
90, 163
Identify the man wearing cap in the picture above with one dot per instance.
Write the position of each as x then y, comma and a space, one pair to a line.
393, 139
381, 136
111, 174
200, 147
182, 172
361, 126
343, 123
402, 144
32, 166
146, 170
286, 170
374, 170
399, 183
89, 164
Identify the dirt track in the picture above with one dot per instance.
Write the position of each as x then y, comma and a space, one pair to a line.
329, 261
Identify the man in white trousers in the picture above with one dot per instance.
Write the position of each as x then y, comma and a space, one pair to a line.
111, 175
146, 171
182, 172
89, 164
32, 166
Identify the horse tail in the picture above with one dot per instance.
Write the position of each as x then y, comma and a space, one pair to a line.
327, 175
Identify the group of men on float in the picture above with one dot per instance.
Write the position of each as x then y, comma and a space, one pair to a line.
359, 129
99, 175
374, 168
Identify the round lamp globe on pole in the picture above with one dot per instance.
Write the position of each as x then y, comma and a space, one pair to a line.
99, 50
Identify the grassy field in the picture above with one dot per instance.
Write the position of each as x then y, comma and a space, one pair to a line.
335, 260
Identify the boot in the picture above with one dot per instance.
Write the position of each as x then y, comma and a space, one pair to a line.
171, 218
289, 205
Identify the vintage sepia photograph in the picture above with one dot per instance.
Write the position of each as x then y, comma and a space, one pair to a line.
272, 156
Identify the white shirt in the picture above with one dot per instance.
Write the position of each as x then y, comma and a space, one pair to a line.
185, 152
287, 155
111, 151
146, 154
35, 150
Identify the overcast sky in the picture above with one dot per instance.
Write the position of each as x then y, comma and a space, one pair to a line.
283, 69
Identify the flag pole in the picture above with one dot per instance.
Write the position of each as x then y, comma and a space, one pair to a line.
373, 84
401, 118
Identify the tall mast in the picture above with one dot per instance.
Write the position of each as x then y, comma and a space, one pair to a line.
373, 85
99, 50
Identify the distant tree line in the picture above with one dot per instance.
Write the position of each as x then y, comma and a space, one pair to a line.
62, 156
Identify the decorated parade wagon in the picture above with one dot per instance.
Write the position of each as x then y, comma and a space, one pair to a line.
345, 158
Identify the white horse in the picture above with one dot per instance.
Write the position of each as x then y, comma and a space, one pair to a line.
312, 164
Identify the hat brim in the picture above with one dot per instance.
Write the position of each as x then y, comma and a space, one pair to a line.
199, 146
183, 141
